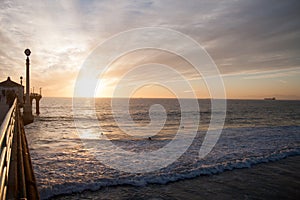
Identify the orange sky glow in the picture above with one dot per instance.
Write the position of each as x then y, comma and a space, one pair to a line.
256, 56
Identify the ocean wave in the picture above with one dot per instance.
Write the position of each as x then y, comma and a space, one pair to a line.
164, 178
65, 118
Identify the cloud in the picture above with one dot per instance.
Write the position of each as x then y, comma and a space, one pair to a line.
247, 30
273, 74
240, 35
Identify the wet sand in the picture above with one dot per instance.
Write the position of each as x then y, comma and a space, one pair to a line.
273, 180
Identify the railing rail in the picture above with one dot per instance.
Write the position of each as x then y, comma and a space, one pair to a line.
6, 139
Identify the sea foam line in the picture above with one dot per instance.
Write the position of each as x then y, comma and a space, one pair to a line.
69, 188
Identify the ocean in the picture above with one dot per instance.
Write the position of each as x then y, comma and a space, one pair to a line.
68, 158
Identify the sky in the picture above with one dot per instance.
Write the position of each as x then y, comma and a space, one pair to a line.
254, 44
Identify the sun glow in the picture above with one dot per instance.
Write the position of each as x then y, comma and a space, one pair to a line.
62, 34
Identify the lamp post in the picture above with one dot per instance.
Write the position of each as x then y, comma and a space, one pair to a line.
21, 92
27, 53
28, 117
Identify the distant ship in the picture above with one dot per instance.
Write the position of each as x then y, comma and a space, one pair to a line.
273, 98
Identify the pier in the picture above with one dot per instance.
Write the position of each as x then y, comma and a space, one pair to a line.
17, 180
16, 172
37, 97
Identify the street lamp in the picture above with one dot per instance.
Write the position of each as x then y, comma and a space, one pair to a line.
27, 52
28, 117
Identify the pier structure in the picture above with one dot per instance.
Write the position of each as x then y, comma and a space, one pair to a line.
17, 180
10, 89
37, 97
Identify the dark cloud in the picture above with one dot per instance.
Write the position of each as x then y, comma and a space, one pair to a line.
246, 30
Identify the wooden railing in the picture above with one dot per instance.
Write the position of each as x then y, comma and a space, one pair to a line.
16, 171
7, 130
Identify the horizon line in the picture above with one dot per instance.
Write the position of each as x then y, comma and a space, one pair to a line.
173, 98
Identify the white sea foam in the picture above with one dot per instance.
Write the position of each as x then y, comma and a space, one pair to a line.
64, 189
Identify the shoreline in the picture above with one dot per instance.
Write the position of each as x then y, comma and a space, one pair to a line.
272, 180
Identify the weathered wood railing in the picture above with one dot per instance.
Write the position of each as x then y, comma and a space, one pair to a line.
16, 172
7, 130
